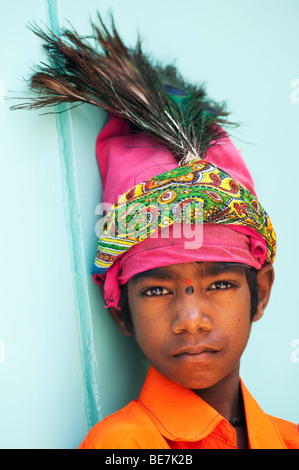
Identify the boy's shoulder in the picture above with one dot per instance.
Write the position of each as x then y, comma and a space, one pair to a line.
128, 428
289, 431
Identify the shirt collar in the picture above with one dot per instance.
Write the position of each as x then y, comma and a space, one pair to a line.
262, 432
174, 410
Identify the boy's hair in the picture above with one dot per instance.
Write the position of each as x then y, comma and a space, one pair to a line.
251, 277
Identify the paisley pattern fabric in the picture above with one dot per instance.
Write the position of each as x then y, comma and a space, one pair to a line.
195, 193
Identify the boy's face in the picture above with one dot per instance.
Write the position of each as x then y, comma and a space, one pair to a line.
191, 321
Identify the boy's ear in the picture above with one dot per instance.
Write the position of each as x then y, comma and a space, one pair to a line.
117, 317
265, 279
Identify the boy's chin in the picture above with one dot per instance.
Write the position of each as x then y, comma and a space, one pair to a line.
196, 380
200, 377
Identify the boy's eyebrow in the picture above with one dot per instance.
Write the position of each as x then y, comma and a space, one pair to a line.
213, 269
156, 273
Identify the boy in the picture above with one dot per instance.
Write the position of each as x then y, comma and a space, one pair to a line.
190, 311
170, 171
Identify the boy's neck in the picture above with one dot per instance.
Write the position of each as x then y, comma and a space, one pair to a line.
225, 396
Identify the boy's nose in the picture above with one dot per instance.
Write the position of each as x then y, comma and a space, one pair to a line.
192, 317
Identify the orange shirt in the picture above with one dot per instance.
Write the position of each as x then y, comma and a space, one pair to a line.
169, 416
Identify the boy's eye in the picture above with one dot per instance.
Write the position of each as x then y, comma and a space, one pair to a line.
156, 291
221, 285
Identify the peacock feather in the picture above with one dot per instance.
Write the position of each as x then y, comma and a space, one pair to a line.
125, 82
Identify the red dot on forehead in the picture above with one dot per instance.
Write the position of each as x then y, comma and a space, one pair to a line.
188, 282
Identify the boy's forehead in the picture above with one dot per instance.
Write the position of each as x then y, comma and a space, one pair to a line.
199, 268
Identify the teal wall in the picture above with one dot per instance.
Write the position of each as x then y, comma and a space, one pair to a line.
63, 364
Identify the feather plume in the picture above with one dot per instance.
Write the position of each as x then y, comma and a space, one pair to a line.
125, 82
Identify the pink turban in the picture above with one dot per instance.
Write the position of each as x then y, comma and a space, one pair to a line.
126, 159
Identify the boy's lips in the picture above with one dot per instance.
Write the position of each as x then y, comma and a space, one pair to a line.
195, 353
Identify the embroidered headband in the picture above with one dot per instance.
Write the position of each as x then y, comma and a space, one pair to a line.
210, 195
